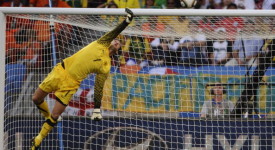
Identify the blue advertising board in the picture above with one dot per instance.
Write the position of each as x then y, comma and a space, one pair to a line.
154, 133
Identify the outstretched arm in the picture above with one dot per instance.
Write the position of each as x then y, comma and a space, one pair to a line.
110, 36
98, 94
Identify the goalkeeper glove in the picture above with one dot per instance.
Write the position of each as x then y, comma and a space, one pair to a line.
96, 116
130, 15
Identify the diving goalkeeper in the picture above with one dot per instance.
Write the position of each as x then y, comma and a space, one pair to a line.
65, 78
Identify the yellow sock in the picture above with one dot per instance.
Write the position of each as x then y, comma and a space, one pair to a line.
37, 141
44, 109
46, 128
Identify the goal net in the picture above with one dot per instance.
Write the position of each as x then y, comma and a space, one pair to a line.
181, 80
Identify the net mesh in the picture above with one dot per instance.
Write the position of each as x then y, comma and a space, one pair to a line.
161, 93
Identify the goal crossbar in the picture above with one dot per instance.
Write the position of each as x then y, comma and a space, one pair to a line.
139, 12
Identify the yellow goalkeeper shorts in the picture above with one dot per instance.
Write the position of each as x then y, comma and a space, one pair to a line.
61, 83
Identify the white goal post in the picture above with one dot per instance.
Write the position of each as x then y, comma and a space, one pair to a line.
156, 105
2, 75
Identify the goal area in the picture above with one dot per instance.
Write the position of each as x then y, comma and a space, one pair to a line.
182, 79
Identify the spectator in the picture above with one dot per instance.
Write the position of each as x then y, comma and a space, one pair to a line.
225, 3
245, 50
157, 52
245, 4
168, 20
15, 3
177, 24
43, 34
160, 3
45, 3
95, 3
201, 4
32, 50
211, 7
264, 4
232, 6
192, 47
110, 19
152, 24
218, 107
174, 24
37, 3
215, 3
150, 4
172, 4
208, 4
42, 30
136, 47
16, 42
165, 51
77, 3
126, 4
59, 3
219, 50
110, 4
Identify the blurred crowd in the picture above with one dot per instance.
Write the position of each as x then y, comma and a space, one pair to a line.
201, 4
33, 47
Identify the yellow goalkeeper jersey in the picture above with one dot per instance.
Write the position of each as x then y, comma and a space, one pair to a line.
94, 58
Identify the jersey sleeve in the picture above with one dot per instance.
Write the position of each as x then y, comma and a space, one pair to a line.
98, 92
110, 36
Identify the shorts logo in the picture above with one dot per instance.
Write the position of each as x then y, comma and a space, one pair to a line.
130, 138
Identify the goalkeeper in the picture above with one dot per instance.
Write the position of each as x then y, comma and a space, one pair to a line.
65, 78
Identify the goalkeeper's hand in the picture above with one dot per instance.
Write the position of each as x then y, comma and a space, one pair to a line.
130, 15
96, 116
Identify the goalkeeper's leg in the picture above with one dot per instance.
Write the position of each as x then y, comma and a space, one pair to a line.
48, 124
46, 128
41, 104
